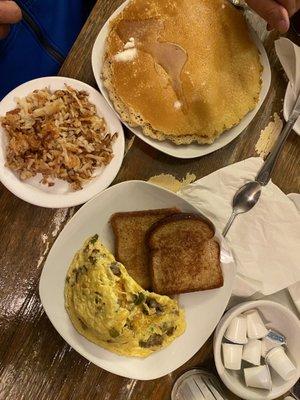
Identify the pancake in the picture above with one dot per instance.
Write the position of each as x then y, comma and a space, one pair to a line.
183, 70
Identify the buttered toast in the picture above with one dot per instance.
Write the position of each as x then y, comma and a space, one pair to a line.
130, 249
184, 256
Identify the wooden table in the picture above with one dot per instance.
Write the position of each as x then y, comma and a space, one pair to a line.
35, 362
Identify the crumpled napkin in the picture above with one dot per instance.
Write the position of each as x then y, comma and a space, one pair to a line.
265, 241
289, 56
294, 290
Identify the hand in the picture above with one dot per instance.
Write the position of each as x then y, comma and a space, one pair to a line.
10, 13
276, 12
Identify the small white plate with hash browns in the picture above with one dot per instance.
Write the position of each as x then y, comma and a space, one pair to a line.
60, 142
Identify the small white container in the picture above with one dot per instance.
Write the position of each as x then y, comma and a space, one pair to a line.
264, 348
237, 330
255, 327
252, 352
232, 356
267, 345
258, 377
280, 362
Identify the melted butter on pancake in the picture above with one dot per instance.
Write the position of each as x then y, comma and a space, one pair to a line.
170, 56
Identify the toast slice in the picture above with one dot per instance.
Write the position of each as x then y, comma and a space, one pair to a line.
184, 257
130, 249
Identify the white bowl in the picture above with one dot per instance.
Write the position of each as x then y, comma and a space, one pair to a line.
275, 316
60, 195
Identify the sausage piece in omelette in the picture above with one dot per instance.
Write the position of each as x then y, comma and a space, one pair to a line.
110, 309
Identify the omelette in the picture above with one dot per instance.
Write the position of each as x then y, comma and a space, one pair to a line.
182, 70
110, 309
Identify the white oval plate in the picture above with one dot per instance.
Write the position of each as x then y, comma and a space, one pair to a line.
203, 309
60, 195
192, 150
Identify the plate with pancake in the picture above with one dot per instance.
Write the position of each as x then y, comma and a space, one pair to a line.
103, 226
183, 91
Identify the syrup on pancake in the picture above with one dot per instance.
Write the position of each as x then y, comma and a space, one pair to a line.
170, 56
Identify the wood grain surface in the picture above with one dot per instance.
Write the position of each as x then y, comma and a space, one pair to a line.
35, 362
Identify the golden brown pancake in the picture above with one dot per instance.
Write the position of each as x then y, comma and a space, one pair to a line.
193, 71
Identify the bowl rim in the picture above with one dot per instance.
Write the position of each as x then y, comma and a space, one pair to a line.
217, 342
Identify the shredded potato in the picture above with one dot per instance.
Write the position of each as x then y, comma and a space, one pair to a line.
57, 134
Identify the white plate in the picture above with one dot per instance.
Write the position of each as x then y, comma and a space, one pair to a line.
287, 108
191, 150
60, 195
203, 309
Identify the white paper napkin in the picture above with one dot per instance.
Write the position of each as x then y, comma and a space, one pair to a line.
289, 56
265, 241
294, 290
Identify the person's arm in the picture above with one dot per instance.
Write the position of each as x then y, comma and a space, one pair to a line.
276, 12
10, 13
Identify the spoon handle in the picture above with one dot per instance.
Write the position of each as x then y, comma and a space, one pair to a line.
264, 175
229, 223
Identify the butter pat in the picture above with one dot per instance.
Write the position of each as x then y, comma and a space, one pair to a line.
169, 181
126, 55
177, 105
268, 136
130, 44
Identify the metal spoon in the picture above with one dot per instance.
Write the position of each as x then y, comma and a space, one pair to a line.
247, 196
244, 199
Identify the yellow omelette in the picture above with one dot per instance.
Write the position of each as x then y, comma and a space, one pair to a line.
111, 310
